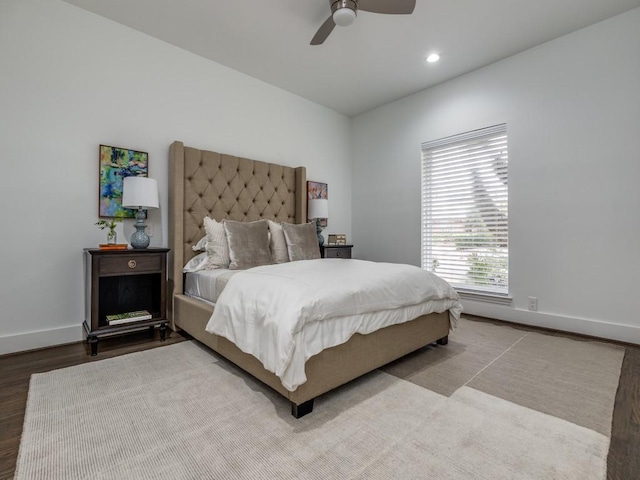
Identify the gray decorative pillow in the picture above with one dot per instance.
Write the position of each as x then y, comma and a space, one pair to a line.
277, 242
248, 244
302, 241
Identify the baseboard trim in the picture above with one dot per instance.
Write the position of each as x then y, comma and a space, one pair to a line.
40, 339
594, 328
584, 326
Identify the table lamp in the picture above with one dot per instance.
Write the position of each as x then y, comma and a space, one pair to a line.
140, 193
318, 209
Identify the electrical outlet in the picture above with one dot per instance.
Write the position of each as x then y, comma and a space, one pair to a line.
533, 304
149, 230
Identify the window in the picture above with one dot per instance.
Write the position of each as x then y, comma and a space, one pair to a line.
465, 210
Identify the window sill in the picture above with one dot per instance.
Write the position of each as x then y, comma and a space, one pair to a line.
497, 298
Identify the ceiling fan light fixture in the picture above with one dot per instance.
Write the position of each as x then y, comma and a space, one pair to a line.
344, 12
344, 16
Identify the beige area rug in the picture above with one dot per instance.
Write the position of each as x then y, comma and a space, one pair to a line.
180, 412
570, 379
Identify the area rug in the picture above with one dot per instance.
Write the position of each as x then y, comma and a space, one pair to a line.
181, 412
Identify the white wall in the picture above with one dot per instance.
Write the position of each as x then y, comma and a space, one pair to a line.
572, 108
71, 80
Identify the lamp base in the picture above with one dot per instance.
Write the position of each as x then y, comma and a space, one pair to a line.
319, 232
140, 239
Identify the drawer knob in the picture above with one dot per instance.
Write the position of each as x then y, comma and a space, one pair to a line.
132, 264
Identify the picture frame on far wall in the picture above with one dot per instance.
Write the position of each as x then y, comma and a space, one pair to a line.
115, 163
318, 190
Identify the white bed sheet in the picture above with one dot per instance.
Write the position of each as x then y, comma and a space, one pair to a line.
284, 314
207, 284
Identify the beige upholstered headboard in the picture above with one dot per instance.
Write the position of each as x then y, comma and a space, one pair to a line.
204, 183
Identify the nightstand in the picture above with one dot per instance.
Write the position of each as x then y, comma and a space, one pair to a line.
121, 281
335, 251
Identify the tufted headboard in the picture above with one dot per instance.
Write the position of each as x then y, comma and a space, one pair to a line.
204, 183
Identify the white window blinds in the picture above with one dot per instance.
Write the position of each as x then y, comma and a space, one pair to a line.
465, 210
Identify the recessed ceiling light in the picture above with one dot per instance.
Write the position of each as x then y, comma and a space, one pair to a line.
434, 57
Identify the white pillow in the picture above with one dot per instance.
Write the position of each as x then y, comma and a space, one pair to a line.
197, 263
217, 246
201, 245
277, 243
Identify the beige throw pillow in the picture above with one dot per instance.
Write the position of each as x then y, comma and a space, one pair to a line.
216, 245
302, 241
277, 243
248, 244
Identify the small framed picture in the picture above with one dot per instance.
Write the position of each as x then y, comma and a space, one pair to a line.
337, 239
115, 163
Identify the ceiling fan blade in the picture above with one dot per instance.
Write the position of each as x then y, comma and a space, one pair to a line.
387, 6
323, 32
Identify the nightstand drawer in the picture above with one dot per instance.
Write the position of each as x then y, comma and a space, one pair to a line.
124, 264
337, 252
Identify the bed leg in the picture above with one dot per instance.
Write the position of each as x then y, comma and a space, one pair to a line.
443, 341
302, 409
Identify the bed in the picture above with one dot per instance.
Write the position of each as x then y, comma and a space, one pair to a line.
205, 183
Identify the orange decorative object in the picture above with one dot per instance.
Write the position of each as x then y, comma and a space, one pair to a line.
114, 246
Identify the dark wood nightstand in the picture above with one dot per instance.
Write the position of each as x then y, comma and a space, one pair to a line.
121, 281
335, 251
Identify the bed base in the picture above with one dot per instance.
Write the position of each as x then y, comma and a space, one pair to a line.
328, 369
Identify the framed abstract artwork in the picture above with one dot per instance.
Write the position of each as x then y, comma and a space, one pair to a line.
321, 191
115, 164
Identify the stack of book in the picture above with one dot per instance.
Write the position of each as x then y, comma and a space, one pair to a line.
114, 246
128, 317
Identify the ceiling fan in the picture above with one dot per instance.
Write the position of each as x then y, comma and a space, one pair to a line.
344, 12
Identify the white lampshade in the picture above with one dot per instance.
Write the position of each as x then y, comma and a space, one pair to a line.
140, 192
318, 208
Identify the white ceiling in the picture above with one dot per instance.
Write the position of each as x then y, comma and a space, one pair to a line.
378, 59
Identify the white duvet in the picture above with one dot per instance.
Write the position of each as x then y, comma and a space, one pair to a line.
284, 314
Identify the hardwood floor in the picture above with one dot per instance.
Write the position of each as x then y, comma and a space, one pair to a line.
623, 462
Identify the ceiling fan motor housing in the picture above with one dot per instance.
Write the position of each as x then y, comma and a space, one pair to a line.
344, 12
